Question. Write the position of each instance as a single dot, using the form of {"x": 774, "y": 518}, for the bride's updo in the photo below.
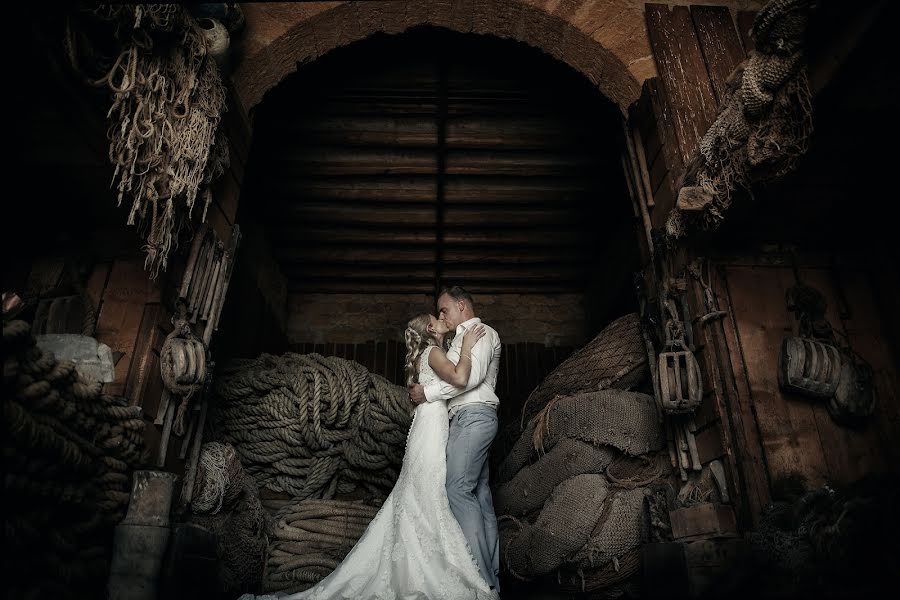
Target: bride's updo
{"x": 417, "y": 339}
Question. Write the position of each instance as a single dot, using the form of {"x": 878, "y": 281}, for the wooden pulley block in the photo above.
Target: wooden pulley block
{"x": 183, "y": 361}
{"x": 178, "y": 358}
{"x": 680, "y": 383}
{"x": 853, "y": 397}
{"x": 809, "y": 367}
{"x": 200, "y": 356}
{"x": 189, "y": 374}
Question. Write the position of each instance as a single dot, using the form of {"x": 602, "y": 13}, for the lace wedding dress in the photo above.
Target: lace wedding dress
{"x": 414, "y": 548}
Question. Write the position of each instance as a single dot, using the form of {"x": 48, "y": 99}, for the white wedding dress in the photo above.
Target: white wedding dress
{"x": 414, "y": 548}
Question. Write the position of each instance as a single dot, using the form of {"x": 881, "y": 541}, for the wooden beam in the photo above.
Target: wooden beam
{"x": 523, "y": 164}
{"x": 387, "y": 286}
{"x": 745, "y": 20}
{"x": 719, "y": 43}
{"x": 665, "y": 120}
{"x": 321, "y": 160}
{"x": 303, "y": 213}
{"x": 287, "y": 237}
{"x": 424, "y": 254}
{"x": 682, "y": 72}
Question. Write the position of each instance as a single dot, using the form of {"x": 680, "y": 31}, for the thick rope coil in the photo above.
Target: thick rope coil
{"x": 61, "y": 481}
{"x": 312, "y": 426}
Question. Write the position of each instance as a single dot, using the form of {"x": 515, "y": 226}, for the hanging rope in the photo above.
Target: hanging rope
{"x": 167, "y": 101}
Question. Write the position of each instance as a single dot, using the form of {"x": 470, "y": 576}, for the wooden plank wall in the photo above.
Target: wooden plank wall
{"x": 522, "y": 366}
{"x": 762, "y": 434}
{"x": 415, "y": 169}
{"x": 797, "y": 434}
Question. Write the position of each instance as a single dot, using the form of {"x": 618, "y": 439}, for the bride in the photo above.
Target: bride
{"x": 414, "y": 548}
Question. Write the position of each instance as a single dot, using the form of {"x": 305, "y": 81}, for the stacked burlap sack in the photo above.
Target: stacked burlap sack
{"x": 569, "y": 495}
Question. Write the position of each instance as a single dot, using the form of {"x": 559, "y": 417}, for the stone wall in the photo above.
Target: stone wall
{"x": 552, "y": 320}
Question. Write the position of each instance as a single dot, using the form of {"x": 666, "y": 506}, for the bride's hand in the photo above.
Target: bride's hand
{"x": 471, "y": 337}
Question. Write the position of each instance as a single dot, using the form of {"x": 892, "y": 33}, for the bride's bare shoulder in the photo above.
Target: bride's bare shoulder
{"x": 436, "y": 353}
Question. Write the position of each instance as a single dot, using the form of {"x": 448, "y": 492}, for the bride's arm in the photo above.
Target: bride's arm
{"x": 456, "y": 374}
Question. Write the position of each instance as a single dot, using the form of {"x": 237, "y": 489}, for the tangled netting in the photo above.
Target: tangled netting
{"x": 227, "y": 502}
{"x": 167, "y": 102}
{"x": 310, "y": 539}
{"x": 764, "y": 121}
{"x": 829, "y": 542}
{"x": 68, "y": 454}
{"x": 313, "y": 426}
{"x": 615, "y": 358}
{"x": 570, "y": 493}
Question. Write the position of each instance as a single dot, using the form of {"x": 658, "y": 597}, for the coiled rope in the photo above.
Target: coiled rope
{"x": 312, "y": 426}
{"x": 68, "y": 454}
{"x": 310, "y": 539}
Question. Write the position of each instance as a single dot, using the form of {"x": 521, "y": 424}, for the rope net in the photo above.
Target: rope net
{"x": 764, "y": 121}
{"x": 227, "y": 503}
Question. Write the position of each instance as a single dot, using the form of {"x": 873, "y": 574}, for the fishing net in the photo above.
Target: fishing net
{"x": 764, "y": 122}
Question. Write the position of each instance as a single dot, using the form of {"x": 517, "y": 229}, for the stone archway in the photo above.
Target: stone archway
{"x": 605, "y": 40}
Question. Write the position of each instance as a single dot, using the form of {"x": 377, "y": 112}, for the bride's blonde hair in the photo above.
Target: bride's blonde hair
{"x": 417, "y": 339}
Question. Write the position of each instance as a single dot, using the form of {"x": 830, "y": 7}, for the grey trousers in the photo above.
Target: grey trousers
{"x": 472, "y": 429}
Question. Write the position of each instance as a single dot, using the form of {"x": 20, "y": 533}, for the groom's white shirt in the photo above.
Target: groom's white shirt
{"x": 483, "y": 377}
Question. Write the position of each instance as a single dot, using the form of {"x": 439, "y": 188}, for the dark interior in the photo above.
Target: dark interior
{"x": 404, "y": 163}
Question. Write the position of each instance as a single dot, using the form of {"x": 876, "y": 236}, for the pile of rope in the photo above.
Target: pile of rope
{"x": 570, "y": 494}
{"x": 829, "y": 542}
{"x": 227, "y": 503}
{"x": 167, "y": 102}
{"x": 615, "y": 358}
{"x": 68, "y": 454}
{"x": 310, "y": 539}
{"x": 313, "y": 426}
{"x": 764, "y": 121}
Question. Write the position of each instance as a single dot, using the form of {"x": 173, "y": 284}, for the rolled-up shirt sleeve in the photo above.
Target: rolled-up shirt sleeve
{"x": 482, "y": 354}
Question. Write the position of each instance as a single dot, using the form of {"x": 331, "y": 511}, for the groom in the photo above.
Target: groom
{"x": 473, "y": 426}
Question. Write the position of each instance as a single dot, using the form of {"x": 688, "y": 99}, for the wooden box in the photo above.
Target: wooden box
{"x": 707, "y": 520}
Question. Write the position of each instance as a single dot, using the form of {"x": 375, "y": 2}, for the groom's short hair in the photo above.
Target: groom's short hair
{"x": 458, "y": 293}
